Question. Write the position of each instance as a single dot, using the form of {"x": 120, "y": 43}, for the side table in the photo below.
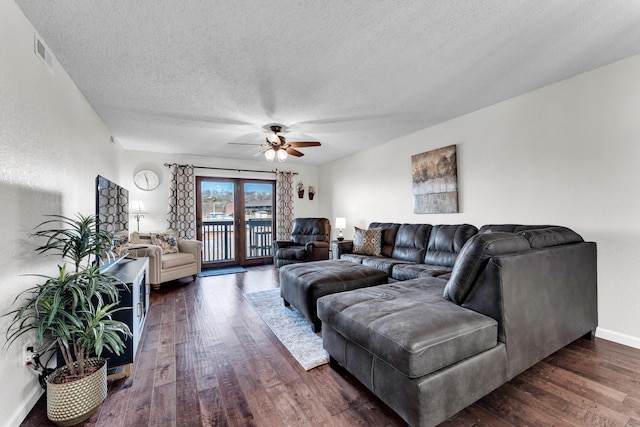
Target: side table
{"x": 338, "y": 247}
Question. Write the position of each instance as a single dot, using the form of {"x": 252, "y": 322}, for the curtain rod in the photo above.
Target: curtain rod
{"x": 229, "y": 169}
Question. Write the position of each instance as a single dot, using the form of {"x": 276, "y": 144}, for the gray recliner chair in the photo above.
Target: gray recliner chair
{"x": 309, "y": 242}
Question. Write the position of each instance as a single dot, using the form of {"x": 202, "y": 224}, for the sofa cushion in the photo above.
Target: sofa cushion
{"x": 413, "y": 271}
{"x": 411, "y": 328}
{"x": 177, "y": 259}
{"x": 509, "y": 228}
{"x": 473, "y": 258}
{"x": 389, "y": 230}
{"x": 550, "y": 236}
{"x": 357, "y": 258}
{"x": 367, "y": 242}
{"x": 383, "y": 263}
{"x": 411, "y": 242}
{"x": 446, "y": 241}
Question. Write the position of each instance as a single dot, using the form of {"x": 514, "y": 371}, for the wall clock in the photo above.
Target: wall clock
{"x": 146, "y": 180}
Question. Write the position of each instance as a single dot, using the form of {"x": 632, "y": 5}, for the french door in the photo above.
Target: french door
{"x": 235, "y": 220}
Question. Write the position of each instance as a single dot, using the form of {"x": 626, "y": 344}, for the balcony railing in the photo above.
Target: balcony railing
{"x": 259, "y": 237}
{"x": 219, "y": 243}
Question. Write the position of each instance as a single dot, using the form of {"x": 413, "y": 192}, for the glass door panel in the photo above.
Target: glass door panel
{"x": 216, "y": 229}
{"x": 258, "y": 214}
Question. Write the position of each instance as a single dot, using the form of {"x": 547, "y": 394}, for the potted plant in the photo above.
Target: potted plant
{"x": 73, "y": 310}
{"x": 312, "y": 192}
{"x": 300, "y": 190}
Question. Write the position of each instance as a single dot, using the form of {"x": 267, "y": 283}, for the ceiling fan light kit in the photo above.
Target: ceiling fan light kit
{"x": 277, "y": 147}
{"x": 275, "y": 153}
{"x": 270, "y": 154}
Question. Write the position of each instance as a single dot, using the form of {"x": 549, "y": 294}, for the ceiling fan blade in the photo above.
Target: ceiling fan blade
{"x": 294, "y": 152}
{"x": 305, "y": 144}
{"x": 241, "y": 143}
{"x": 264, "y": 150}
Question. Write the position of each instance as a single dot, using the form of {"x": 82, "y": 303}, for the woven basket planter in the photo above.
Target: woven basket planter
{"x": 71, "y": 403}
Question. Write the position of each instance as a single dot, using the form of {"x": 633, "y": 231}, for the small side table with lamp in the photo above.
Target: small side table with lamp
{"x": 336, "y": 245}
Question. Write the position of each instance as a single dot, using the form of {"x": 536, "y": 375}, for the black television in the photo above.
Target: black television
{"x": 112, "y": 215}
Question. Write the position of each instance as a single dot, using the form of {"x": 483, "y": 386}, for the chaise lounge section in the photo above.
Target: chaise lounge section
{"x": 430, "y": 346}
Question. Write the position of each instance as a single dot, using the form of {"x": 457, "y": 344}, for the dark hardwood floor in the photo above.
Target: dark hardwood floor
{"x": 207, "y": 359}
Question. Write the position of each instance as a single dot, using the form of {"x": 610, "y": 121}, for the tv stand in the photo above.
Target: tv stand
{"x": 135, "y": 274}
{"x": 111, "y": 263}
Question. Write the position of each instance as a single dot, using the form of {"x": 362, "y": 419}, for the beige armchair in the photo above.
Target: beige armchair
{"x": 170, "y": 257}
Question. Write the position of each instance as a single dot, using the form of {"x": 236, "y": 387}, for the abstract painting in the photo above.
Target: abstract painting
{"x": 435, "y": 181}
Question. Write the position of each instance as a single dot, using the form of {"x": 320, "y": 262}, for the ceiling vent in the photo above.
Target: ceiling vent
{"x": 43, "y": 52}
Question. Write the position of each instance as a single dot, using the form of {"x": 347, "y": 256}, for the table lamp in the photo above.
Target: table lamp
{"x": 341, "y": 224}
{"x": 137, "y": 209}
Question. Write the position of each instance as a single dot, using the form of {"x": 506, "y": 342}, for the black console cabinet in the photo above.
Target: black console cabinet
{"x": 135, "y": 273}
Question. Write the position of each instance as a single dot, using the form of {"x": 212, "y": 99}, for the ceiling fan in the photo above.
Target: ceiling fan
{"x": 276, "y": 145}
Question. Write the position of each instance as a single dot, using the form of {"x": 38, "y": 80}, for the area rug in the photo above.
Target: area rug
{"x": 221, "y": 271}
{"x": 290, "y": 326}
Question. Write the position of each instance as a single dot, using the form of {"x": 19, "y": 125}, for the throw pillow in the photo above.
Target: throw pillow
{"x": 166, "y": 241}
{"x": 367, "y": 242}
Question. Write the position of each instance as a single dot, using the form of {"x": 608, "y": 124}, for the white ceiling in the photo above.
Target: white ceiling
{"x": 190, "y": 77}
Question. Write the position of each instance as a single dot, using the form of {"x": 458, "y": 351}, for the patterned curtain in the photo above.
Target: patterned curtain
{"x": 181, "y": 214}
{"x": 284, "y": 204}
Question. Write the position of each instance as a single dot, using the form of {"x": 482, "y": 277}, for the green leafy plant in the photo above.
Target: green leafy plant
{"x": 72, "y": 308}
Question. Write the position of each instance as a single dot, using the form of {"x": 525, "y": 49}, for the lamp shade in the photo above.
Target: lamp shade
{"x": 136, "y": 207}
{"x": 341, "y": 223}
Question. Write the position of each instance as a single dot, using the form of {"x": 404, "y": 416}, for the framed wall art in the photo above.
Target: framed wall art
{"x": 435, "y": 181}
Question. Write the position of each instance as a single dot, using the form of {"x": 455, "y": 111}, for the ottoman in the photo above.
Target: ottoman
{"x": 302, "y": 284}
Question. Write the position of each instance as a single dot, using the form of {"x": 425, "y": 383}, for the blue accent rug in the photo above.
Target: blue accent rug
{"x": 221, "y": 271}
{"x": 290, "y": 326}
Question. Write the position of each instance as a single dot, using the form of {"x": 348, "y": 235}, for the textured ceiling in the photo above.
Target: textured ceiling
{"x": 190, "y": 77}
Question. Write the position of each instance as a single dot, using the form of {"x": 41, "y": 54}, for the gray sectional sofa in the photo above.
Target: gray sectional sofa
{"x": 478, "y": 308}
{"x": 409, "y": 251}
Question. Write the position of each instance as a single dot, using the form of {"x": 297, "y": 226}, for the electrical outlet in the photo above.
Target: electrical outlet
{"x": 27, "y": 354}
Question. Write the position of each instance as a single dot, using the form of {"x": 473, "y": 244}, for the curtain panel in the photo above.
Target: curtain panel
{"x": 181, "y": 213}
{"x": 284, "y": 204}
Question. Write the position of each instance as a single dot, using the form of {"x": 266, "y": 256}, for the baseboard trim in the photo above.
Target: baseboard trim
{"x": 623, "y": 339}
{"x": 23, "y": 410}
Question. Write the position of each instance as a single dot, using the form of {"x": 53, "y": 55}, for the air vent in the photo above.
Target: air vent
{"x": 43, "y": 52}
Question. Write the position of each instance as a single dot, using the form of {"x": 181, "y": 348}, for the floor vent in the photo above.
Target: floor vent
{"x": 43, "y": 52}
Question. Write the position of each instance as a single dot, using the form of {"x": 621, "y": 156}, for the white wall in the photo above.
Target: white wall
{"x": 566, "y": 154}
{"x": 52, "y": 146}
{"x": 156, "y": 200}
